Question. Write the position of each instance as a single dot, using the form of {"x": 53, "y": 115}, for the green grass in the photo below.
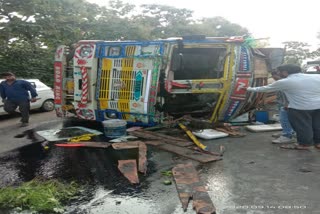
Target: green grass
{"x": 38, "y": 196}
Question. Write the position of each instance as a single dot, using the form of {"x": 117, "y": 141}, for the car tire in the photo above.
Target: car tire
{"x": 47, "y": 105}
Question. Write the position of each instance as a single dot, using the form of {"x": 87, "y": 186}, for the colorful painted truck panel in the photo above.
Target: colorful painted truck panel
{"x": 147, "y": 82}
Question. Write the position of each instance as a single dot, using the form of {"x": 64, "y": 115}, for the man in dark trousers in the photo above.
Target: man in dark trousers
{"x": 15, "y": 93}
{"x": 303, "y": 94}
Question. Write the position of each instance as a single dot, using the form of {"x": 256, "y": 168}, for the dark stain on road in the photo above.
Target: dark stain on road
{"x": 93, "y": 168}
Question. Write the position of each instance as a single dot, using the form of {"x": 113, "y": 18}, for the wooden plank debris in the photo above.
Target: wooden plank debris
{"x": 143, "y": 158}
{"x": 264, "y": 127}
{"x": 89, "y": 144}
{"x": 189, "y": 187}
{"x": 188, "y": 153}
{"x": 231, "y": 132}
{"x": 142, "y": 152}
{"x": 126, "y": 145}
{"x": 129, "y": 169}
{"x": 148, "y": 135}
{"x": 164, "y": 136}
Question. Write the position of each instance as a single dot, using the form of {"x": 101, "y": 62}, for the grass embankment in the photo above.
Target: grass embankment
{"x": 38, "y": 196}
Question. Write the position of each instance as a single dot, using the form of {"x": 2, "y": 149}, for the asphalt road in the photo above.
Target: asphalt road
{"x": 36, "y": 117}
{"x": 12, "y": 134}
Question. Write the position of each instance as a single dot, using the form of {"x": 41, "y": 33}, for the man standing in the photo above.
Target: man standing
{"x": 14, "y": 93}
{"x": 303, "y": 94}
{"x": 287, "y": 131}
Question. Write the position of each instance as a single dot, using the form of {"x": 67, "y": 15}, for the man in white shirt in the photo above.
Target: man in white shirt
{"x": 303, "y": 94}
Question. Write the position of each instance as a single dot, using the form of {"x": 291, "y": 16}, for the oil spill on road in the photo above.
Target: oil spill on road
{"x": 96, "y": 169}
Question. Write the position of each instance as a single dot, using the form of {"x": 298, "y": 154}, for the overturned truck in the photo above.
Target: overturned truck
{"x": 146, "y": 82}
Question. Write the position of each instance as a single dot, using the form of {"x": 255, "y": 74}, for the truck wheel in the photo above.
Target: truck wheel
{"x": 47, "y": 105}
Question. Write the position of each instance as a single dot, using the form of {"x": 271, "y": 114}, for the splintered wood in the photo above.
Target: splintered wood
{"x": 176, "y": 146}
{"x": 142, "y": 158}
{"x": 89, "y": 144}
{"x": 189, "y": 153}
{"x": 142, "y": 152}
{"x": 190, "y": 187}
{"x": 148, "y": 135}
{"x": 129, "y": 169}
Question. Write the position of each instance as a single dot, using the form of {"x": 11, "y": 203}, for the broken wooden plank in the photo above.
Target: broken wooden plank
{"x": 143, "y": 158}
{"x": 232, "y": 133}
{"x": 126, "y": 145}
{"x": 153, "y": 142}
{"x": 134, "y": 128}
{"x": 190, "y": 187}
{"x": 142, "y": 152}
{"x": 201, "y": 201}
{"x": 96, "y": 144}
{"x": 89, "y": 144}
{"x": 189, "y": 153}
{"x": 129, "y": 169}
{"x": 165, "y": 138}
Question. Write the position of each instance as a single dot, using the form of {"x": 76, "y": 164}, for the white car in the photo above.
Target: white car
{"x": 45, "y": 98}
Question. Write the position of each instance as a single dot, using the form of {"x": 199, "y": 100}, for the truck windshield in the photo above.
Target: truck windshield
{"x": 198, "y": 63}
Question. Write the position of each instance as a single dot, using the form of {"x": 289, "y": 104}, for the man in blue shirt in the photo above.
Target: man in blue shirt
{"x": 15, "y": 93}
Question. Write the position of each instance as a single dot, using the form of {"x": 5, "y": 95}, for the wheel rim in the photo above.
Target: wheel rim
{"x": 48, "y": 105}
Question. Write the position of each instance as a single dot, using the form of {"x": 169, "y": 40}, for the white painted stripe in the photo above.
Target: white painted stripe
{"x": 147, "y": 90}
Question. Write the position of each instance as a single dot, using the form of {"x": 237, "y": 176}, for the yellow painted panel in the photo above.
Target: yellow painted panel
{"x": 106, "y": 64}
{"x": 103, "y": 104}
{"x": 226, "y": 87}
{"x": 126, "y": 77}
{"x": 105, "y": 83}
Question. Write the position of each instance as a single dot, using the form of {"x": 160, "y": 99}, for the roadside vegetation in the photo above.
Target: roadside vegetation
{"x": 38, "y": 196}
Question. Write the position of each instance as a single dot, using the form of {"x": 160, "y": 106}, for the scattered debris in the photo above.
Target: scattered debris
{"x": 305, "y": 169}
{"x": 148, "y": 135}
{"x": 142, "y": 152}
{"x": 198, "y": 123}
{"x": 265, "y": 127}
{"x": 126, "y": 145}
{"x": 200, "y": 156}
{"x": 167, "y": 182}
{"x": 165, "y": 137}
{"x": 222, "y": 150}
{"x": 129, "y": 169}
{"x": 142, "y": 158}
{"x": 70, "y": 145}
{"x": 52, "y": 135}
{"x": 166, "y": 173}
{"x": 209, "y": 134}
{"x": 122, "y": 139}
{"x": 84, "y": 137}
{"x": 134, "y": 128}
{"x": 231, "y": 132}
{"x": 190, "y": 187}
{"x": 192, "y": 137}
{"x": 84, "y": 144}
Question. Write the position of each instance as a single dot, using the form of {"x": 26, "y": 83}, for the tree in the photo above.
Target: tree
{"x": 297, "y": 52}
{"x": 30, "y": 30}
{"x": 165, "y": 21}
{"x": 220, "y": 27}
